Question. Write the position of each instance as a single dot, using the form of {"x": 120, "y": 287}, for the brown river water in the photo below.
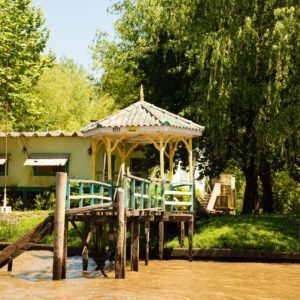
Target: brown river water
{"x": 172, "y": 279}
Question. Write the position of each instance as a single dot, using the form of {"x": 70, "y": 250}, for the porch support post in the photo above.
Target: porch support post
{"x": 108, "y": 151}
{"x": 190, "y": 150}
{"x": 123, "y": 158}
{"x": 161, "y": 156}
{"x": 94, "y": 153}
{"x": 171, "y": 160}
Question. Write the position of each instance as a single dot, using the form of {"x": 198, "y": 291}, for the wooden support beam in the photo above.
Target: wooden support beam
{"x": 119, "y": 259}
{"x": 114, "y": 146}
{"x": 191, "y": 169}
{"x": 124, "y": 249}
{"x": 82, "y": 237}
{"x": 147, "y": 235}
{"x": 111, "y": 239}
{"x": 85, "y": 251}
{"x": 152, "y": 141}
{"x": 59, "y": 225}
{"x": 182, "y": 234}
{"x": 135, "y": 247}
{"x": 10, "y": 266}
{"x": 94, "y": 154}
{"x": 161, "y": 157}
{"x": 109, "y": 152}
{"x": 65, "y": 258}
{"x": 191, "y": 231}
{"x": 160, "y": 239}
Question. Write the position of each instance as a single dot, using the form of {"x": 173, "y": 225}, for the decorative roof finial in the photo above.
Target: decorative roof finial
{"x": 141, "y": 93}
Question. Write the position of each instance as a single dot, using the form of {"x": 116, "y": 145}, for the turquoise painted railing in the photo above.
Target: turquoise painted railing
{"x": 141, "y": 193}
{"x": 137, "y": 192}
{"x": 95, "y": 191}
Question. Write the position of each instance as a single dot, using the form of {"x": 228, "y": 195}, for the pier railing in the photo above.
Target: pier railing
{"x": 142, "y": 194}
{"x": 81, "y": 192}
{"x": 139, "y": 194}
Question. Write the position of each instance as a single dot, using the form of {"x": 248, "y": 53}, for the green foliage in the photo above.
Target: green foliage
{"x": 69, "y": 99}
{"x": 286, "y": 194}
{"x": 44, "y": 200}
{"x": 232, "y": 66}
{"x": 261, "y": 232}
{"x": 22, "y": 40}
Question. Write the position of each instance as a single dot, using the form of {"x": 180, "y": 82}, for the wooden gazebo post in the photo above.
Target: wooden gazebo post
{"x": 190, "y": 150}
{"x": 161, "y": 157}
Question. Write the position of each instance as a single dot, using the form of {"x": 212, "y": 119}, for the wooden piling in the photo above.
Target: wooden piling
{"x": 65, "y": 258}
{"x": 124, "y": 248}
{"x": 135, "y": 245}
{"x": 85, "y": 251}
{"x": 160, "y": 239}
{"x": 191, "y": 230}
{"x": 10, "y": 266}
{"x": 119, "y": 259}
{"x": 59, "y": 225}
{"x": 147, "y": 235}
{"x": 182, "y": 234}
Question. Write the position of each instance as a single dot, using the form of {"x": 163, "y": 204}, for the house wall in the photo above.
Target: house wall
{"x": 22, "y": 177}
{"x": 80, "y": 162}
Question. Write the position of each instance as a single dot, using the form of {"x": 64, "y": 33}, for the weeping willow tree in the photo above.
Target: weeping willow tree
{"x": 230, "y": 65}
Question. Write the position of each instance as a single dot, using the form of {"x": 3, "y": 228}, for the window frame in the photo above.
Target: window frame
{"x": 37, "y": 173}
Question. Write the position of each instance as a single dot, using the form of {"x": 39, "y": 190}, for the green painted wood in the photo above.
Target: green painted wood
{"x": 162, "y": 192}
{"x": 149, "y": 195}
{"x": 92, "y": 193}
{"x": 81, "y": 193}
{"x": 156, "y": 195}
{"x": 142, "y": 195}
{"x": 101, "y": 190}
{"x": 172, "y": 197}
{"x": 68, "y": 202}
{"x": 132, "y": 191}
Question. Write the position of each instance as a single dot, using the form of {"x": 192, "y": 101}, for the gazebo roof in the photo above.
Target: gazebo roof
{"x": 143, "y": 114}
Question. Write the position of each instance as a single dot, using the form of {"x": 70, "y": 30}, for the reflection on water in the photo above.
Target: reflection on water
{"x": 173, "y": 279}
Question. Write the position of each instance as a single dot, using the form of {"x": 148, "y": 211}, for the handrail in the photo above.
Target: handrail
{"x": 138, "y": 178}
{"x": 89, "y": 181}
{"x": 97, "y": 190}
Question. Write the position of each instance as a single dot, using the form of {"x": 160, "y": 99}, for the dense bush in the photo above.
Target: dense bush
{"x": 286, "y": 194}
{"x": 44, "y": 200}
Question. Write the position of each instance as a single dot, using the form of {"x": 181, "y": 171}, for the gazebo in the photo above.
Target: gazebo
{"x": 139, "y": 124}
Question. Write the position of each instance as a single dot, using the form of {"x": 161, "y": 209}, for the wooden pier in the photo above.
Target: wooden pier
{"x": 108, "y": 220}
{"x": 112, "y": 218}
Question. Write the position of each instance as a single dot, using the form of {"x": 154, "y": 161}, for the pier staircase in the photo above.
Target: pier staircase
{"x": 24, "y": 243}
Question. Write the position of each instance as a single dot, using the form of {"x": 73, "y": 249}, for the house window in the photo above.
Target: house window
{"x": 3, "y": 165}
{"x": 48, "y": 164}
{"x": 50, "y": 170}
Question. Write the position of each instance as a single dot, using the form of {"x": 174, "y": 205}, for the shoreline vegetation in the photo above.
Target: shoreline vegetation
{"x": 274, "y": 233}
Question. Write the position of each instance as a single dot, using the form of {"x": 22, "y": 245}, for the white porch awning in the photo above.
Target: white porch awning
{"x": 47, "y": 159}
{"x": 2, "y": 159}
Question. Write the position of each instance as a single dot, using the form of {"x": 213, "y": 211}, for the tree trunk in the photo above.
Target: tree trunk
{"x": 251, "y": 192}
{"x": 265, "y": 178}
